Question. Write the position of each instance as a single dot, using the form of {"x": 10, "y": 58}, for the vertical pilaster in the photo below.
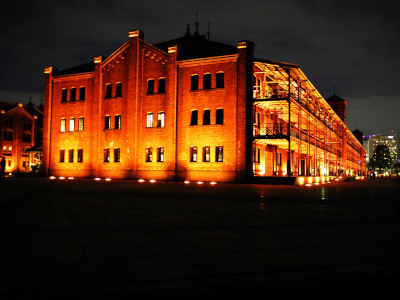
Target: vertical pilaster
{"x": 47, "y": 119}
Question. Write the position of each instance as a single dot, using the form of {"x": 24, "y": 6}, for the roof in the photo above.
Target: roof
{"x": 335, "y": 98}
{"x": 196, "y": 46}
{"x": 84, "y": 68}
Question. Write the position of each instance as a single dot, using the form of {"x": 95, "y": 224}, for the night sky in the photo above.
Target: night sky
{"x": 353, "y": 46}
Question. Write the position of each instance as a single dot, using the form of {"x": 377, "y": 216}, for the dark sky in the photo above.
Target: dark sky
{"x": 352, "y": 45}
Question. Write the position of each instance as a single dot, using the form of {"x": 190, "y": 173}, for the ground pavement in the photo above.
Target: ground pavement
{"x": 82, "y": 239}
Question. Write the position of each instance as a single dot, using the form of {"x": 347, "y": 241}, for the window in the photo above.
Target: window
{"x": 193, "y": 120}
{"x": 64, "y": 95}
{"x": 81, "y": 124}
{"x": 219, "y": 154}
{"x": 160, "y": 119}
{"x": 63, "y": 124}
{"x": 73, "y": 94}
{"x": 149, "y": 121}
{"x": 161, "y": 85}
{"x": 71, "y": 124}
{"x": 149, "y": 154}
{"x": 106, "y": 155}
{"x": 26, "y": 137}
{"x": 207, "y": 81}
{"x": 258, "y": 155}
{"x": 206, "y": 153}
{"x": 71, "y": 155}
{"x": 8, "y": 135}
{"x": 62, "y": 155}
{"x": 193, "y": 154}
{"x": 206, "y": 117}
{"x": 117, "y": 122}
{"x": 117, "y": 154}
{"x": 220, "y": 80}
{"x": 82, "y": 93}
{"x": 108, "y": 91}
{"x": 107, "y": 122}
{"x": 150, "y": 86}
{"x": 219, "y": 119}
{"x": 80, "y": 155}
{"x": 194, "y": 82}
{"x": 8, "y": 123}
{"x": 160, "y": 154}
{"x": 118, "y": 90}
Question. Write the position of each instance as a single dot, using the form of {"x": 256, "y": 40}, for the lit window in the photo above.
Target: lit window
{"x": 63, "y": 124}
{"x": 73, "y": 94}
{"x": 62, "y": 155}
{"x": 117, "y": 154}
{"x": 150, "y": 86}
{"x": 194, "y": 82}
{"x": 219, "y": 119}
{"x": 64, "y": 95}
{"x": 193, "y": 119}
{"x": 82, "y": 93}
{"x": 207, "y": 81}
{"x": 160, "y": 154}
{"x": 71, "y": 155}
{"x": 81, "y": 124}
{"x": 219, "y": 154}
{"x": 161, "y": 85}
{"x": 193, "y": 154}
{"x": 160, "y": 119}
{"x": 206, "y": 153}
{"x": 107, "y": 122}
{"x": 149, "y": 121}
{"x": 117, "y": 123}
{"x": 149, "y": 154}
{"x": 106, "y": 155}
{"x": 80, "y": 155}
{"x": 206, "y": 117}
{"x": 108, "y": 91}
{"x": 72, "y": 124}
{"x": 118, "y": 90}
{"x": 10, "y": 148}
{"x": 220, "y": 80}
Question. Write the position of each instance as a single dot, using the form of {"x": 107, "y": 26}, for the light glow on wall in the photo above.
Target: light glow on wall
{"x": 97, "y": 179}
{"x": 186, "y": 182}
{"x": 141, "y": 180}
{"x": 52, "y": 177}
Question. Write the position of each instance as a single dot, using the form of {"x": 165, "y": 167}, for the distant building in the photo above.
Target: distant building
{"x": 372, "y": 141}
{"x": 193, "y": 109}
{"x": 21, "y": 128}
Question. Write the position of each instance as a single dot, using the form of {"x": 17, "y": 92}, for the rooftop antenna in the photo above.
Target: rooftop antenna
{"x": 197, "y": 25}
{"x": 188, "y": 30}
{"x": 208, "y": 32}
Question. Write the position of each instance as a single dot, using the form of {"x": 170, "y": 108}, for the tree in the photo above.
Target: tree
{"x": 381, "y": 159}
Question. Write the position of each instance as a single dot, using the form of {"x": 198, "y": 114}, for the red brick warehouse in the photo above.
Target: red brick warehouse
{"x": 191, "y": 109}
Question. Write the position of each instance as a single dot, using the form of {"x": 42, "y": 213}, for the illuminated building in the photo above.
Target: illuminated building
{"x": 191, "y": 109}
{"x": 20, "y": 130}
{"x": 372, "y": 141}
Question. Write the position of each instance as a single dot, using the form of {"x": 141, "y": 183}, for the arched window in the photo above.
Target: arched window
{"x": 161, "y": 85}
{"x": 219, "y": 80}
{"x": 207, "y": 81}
{"x": 150, "y": 86}
{"x": 194, "y": 82}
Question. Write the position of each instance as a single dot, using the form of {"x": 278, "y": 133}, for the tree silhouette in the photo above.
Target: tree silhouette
{"x": 381, "y": 159}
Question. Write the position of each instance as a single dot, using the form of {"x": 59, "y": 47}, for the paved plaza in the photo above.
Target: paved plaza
{"x": 86, "y": 239}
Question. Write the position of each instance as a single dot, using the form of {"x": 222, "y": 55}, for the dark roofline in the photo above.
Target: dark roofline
{"x": 280, "y": 63}
{"x": 84, "y": 68}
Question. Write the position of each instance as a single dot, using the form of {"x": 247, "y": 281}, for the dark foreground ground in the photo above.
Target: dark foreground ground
{"x": 81, "y": 239}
